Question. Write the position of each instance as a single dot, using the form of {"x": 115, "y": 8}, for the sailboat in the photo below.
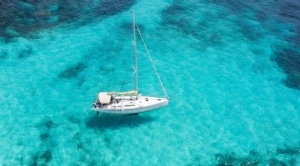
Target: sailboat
{"x": 131, "y": 102}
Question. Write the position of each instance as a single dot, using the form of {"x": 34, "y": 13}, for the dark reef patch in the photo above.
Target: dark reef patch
{"x": 42, "y": 158}
{"x": 74, "y": 119}
{"x": 236, "y": 6}
{"x": 3, "y": 54}
{"x": 72, "y": 71}
{"x": 45, "y": 128}
{"x": 108, "y": 7}
{"x": 251, "y": 32}
{"x": 173, "y": 17}
{"x": 43, "y": 155}
{"x": 261, "y": 10}
{"x": 25, "y": 52}
{"x": 266, "y": 12}
{"x": 173, "y": 10}
{"x": 44, "y": 136}
{"x": 290, "y": 12}
{"x": 47, "y": 124}
{"x": 232, "y": 159}
{"x": 241, "y": 9}
{"x": 127, "y": 27}
{"x": 289, "y": 150}
{"x": 47, "y": 156}
{"x": 178, "y": 16}
{"x": 289, "y": 61}
{"x": 287, "y": 156}
{"x": 86, "y": 157}
{"x": 21, "y": 18}
{"x": 269, "y": 14}
{"x": 276, "y": 162}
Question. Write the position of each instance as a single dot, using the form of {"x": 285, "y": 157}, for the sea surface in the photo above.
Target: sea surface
{"x": 231, "y": 69}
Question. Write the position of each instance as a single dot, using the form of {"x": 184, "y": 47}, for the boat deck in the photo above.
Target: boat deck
{"x": 129, "y": 104}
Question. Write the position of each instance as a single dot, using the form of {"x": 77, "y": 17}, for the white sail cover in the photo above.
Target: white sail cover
{"x": 104, "y": 98}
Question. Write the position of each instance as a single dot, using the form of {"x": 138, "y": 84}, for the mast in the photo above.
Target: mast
{"x": 134, "y": 54}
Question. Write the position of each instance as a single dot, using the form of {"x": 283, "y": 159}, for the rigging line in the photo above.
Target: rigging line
{"x": 134, "y": 54}
{"x": 151, "y": 60}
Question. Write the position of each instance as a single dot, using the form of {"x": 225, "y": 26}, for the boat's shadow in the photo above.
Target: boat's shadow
{"x": 116, "y": 121}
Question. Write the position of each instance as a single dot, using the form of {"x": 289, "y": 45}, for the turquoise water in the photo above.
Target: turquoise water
{"x": 231, "y": 69}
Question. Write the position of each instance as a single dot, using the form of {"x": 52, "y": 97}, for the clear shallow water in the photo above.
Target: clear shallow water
{"x": 230, "y": 68}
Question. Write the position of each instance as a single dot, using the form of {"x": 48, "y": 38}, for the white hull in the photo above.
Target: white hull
{"x": 131, "y": 105}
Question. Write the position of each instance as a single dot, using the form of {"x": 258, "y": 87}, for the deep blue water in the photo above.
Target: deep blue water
{"x": 231, "y": 68}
